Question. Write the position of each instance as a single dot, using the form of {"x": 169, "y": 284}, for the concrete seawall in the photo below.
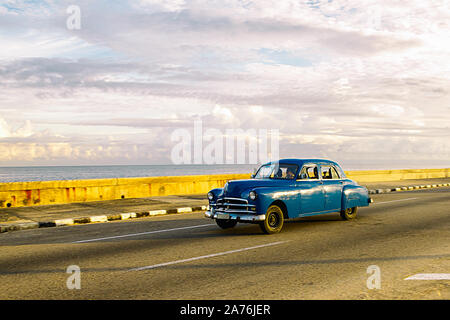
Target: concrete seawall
{"x": 19, "y": 194}
{"x": 396, "y": 175}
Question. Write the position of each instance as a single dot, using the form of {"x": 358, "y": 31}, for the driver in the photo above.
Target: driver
{"x": 290, "y": 173}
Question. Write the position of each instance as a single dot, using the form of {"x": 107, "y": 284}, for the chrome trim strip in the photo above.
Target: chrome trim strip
{"x": 237, "y": 204}
{"x": 231, "y": 211}
{"x": 242, "y": 217}
{"x": 239, "y": 199}
{"x": 249, "y": 217}
{"x": 232, "y": 204}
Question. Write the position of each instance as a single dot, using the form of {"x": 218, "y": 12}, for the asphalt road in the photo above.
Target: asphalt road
{"x": 187, "y": 256}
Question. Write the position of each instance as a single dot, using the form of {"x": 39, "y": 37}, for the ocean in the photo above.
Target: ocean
{"x": 48, "y": 173}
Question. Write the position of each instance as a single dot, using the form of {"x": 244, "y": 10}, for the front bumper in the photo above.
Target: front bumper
{"x": 235, "y": 216}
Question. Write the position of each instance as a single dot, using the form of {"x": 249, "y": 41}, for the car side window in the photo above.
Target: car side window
{"x": 303, "y": 175}
{"x": 340, "y": 172}
{"x": 325, "y": 172}
{"x": 334, "y": 173}
{"x": 329, "y": 172}
{"x": 309, "y": 172}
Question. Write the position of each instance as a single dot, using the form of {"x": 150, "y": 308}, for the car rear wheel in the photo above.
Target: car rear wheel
{"x": 226, "y": 224}
{"x": 274, "y": 220}
{"x": 349, "y": 213}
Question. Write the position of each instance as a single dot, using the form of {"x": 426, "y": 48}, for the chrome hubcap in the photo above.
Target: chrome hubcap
{"x": 273, "y": 220}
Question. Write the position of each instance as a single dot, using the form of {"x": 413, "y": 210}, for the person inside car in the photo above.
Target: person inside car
{"x": 290, "y": 173}
{"x": 279, "y": 174}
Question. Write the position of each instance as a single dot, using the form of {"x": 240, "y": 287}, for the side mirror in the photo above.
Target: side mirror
{"x": 252, "y": 176}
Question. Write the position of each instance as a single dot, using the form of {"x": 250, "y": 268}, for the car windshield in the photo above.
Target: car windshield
{"x": 277, "y": 171}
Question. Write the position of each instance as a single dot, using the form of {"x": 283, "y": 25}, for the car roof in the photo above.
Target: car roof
{"x": 300, "y": 162}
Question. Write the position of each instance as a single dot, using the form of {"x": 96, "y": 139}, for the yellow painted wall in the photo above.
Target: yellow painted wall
{"x": 18, "y": 194}
{"x": 395, "y": 175}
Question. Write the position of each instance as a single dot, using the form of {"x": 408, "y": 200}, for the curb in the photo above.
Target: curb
{"x": 95, "y": 219}
{"x": 376, "y": 191}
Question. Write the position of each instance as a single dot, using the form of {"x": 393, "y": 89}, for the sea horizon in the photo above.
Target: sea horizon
{"x": 85, "y": 172}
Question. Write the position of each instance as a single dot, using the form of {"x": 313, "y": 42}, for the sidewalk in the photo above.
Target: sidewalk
{"x": 102, "y": 211}
{"x": 21, "y": 218}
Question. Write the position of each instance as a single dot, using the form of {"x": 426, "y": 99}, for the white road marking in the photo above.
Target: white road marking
{"x": 206, "y": 256}
{"x": 429, "y": 276}
{"x": 142, "y": 233}
{"x": 395, "y": 200}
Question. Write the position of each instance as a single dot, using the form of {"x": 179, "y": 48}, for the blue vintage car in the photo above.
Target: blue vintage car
{"x": 287, "y": 189}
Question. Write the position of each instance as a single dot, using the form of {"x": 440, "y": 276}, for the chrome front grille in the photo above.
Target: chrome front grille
{"x": 233, "y": 205}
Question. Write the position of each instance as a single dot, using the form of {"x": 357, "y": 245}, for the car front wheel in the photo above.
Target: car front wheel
{"x": 274, "y": 220}
{"x": 349, "y": 213}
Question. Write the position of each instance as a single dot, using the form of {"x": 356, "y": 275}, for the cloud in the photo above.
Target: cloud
{"x": 6, "y": 131}
{"x": 340, "y": 79}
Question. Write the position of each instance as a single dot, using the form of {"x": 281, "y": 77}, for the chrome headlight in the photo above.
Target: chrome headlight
{"x": 252, "y": 195}
{"x": 210, "y": 196}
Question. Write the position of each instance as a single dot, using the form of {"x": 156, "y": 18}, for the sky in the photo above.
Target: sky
{"x": 364, "y": 83}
